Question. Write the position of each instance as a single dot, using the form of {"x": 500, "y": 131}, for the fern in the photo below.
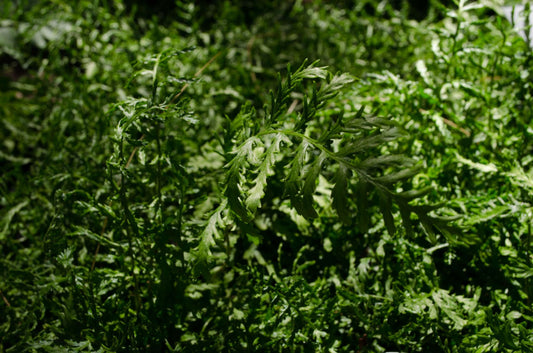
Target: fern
{"x": 210, "y": 231}
{"x": 257, "y": 192}
{"x": 323, "y": 137}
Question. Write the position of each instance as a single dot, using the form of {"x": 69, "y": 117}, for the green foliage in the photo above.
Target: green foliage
{"x": 317, "y": 139}
{"x": 171, "y": 183}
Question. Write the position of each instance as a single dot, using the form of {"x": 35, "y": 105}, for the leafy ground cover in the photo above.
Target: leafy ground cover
{"x": 276, "y": 176}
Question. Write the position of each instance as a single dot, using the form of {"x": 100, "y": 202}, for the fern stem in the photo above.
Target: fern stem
{"x": 159, "y": 211}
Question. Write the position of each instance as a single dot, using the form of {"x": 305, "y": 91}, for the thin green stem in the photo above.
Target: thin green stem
{"x": 159, "y": 211}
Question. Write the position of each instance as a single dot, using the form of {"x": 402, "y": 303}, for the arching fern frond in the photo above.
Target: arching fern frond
{"x": 322, "y": 136}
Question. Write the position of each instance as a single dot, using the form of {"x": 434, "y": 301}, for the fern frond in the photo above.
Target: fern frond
{"x": 235, "y": 176}
{"x": 305, "y": 207}
{"x": 347, "y": 150}
{"x": 279, "y": 100}
{"x": 256, "y": 193}
{"x": 210, "y": 232}
{"x": 293, "y": 179}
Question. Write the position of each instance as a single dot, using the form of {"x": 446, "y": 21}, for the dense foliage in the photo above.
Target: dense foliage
{"x": 264, "y": 176}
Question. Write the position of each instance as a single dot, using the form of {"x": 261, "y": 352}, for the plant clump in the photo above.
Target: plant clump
{"x": 278, "y": 176}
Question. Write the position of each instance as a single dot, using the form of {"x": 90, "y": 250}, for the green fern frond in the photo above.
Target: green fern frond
{"x": 210, "y": 232}
{"x": 235, "y": 177}
{"x": 256, "y": 193}
{"x": 348, "y": 152}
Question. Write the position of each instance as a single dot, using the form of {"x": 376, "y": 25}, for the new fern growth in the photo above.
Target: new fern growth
{"x": 304, "y": 136}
